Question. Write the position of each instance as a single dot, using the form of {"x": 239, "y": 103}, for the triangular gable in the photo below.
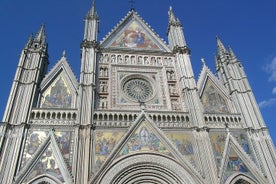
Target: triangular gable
{"x": 205, "y": 75}
{"x": 59, "y": 87}
{"x": 236, "y": 161}
{"x": 47, "y": 161}
{"x": 213, "y": 94}
{"x": 133, "y": 33}
{"x": 145, "y": 137}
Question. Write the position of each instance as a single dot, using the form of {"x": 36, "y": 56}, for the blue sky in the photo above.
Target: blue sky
{"x": 248, "y": 27}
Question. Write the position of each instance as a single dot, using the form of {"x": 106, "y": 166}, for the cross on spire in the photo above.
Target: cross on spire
{"x": 131, "y": 2}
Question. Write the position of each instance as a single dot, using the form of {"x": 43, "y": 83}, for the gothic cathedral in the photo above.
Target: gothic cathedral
{"x": 136, "y": 115}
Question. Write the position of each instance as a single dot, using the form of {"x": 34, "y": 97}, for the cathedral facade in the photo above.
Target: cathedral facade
{"x": 135, "y": 115}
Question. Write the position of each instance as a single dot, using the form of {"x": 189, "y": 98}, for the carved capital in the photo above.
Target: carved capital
{"x": 91, "y": 44}
{"x": 181, "y": 50}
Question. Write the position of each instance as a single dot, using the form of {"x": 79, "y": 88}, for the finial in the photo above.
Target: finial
{"x": 203, "y": 61}
{"x": 30, "y": 40}
{"x": 41, "y": 36}
{"x": 142, "y": 105}
{"x": 220, "y": 47}
{"x": 132, "y": 2}
{"x": 64, "y": 54}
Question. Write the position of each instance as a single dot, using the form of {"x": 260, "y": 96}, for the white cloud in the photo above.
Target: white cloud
{"x": 271, "y": 69}
{"x": 274, "y": 91}
{"x": 267, "y": 103}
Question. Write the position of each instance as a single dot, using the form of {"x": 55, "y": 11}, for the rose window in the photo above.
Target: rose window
{"x": 138, "y": 89}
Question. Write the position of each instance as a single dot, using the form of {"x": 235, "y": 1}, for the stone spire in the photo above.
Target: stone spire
{"x": 41, "y": 36}
{"x": 220, "y": 47}
{"x": 91, "y": 24}
{"x": 175, "y": 33}
{"x": 92, "y": 14}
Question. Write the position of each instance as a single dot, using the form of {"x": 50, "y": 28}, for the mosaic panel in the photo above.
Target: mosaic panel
{"x": 65, "y": 141}
{"x": 212, "y": 100}
{"x": 58, "y": 95}
{"x": 46, "y": 165}
{"x": 134, "y": 36}
{"x": 34, "y": 139}
{"x": 105, "y": 142}
{"x": 235, "y": 164}
{"x": 183, "y": 141}
{"x": 218, "y": 142}
{"x": 144, "y": 139}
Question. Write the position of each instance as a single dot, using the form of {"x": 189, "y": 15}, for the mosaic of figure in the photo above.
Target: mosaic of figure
{"x": 218, "y": 142}
{"x": 34, "y": 140}
{"x": 143, "y": 140}
{"x": 57, "y": 96}
{"x": 105, "y": 142}
{"x": 212, "y": 101}
{"x": 134, "y": 37}
{"x": 183, "y": 143}
{"x": 64, "y": 139}
{"x": 243, "y": 141}
{"x": 235, "y": 164}
{"x": 46, "y": 165}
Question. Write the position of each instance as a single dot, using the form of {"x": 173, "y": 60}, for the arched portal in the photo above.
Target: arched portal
{"x": 44, "y": 179}
{"x": 240, "y": 178}
{"x": 147, "y": 168}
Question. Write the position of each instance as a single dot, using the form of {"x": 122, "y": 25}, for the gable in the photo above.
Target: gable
{"x": 144, "y": 138}
{"x": 213, "y": 100}
{"x": 59, "y": 87}
{"x": 236, "y": 157}
{"x": 46, "y": 159}
{"x": 133, "y": 33}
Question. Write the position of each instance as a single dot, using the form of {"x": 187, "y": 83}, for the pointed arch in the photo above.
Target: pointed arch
{"x": 147, "y": 167}
{"x": 240, "y": 178}
{"x": 44, "y": 179}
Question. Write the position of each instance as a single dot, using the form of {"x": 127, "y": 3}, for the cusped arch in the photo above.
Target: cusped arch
{"x": 147, "y": 168}
{"x": 240, "y": 178}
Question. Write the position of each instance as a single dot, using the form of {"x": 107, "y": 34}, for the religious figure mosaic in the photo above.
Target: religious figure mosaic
{"x": 218, "y": 142}
{"x": 235, "y": 164}
{"x": 105, "y": 142}
{"x": 134, "y": 36}
{"x": 58, "y": 95}
{"x": 183, "y": 142}
{"x": 212, "y": 100}
{"x": 143, "y": 139}
{"x": 46, "y": 165}
{"x": 65, "y": 141}
{"x": 34, "y": 139}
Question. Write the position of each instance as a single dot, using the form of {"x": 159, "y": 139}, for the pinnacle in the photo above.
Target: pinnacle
{"x": 92, "y": 12}
{"x": 41, "y": 36}
{"x": 220, "y": 47}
